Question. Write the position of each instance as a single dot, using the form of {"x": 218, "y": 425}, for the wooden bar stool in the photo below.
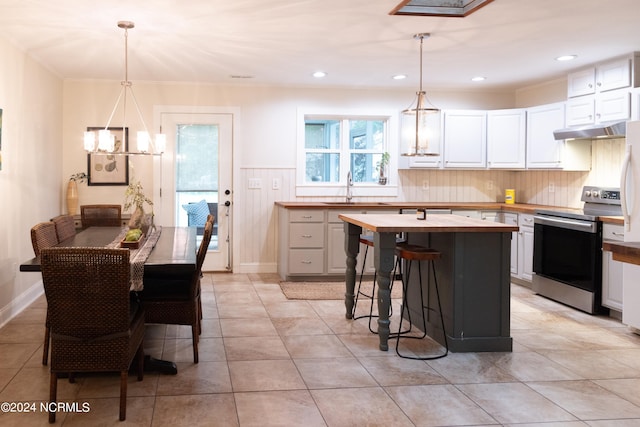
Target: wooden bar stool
{"x": 418, "y": 253}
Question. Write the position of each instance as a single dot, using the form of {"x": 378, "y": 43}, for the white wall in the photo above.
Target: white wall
{"x": 31, "y": 180}
{"x": 265, "y": 143}
{"x": 266, "y": 149}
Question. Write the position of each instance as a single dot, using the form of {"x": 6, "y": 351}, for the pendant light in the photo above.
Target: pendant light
{"x": 106, "y": 140}
{"x": 421, "y": 124}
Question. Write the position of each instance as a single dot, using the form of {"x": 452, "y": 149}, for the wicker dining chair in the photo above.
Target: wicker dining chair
{"x": 65, "y": 227}
{"x": 101, "y": 215}
{"x": 43, "y": 235}
{"x": 95, "y": 327}
{"x": 175, "y": 300}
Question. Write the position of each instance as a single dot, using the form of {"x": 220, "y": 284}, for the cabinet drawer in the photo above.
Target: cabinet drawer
{"x": 525, "y": 220}
{"x": 306, "y": 261}
{"x": 303, "y": 235}
{"x": 315, "y": 215}
{"x": 510, "y": 218}
{"x": 613, "y": 232}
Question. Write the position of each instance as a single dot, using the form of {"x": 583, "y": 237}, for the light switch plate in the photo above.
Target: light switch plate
{"x": 255, "y": 183}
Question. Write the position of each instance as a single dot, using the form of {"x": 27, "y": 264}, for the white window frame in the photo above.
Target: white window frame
{"x": 339, "y": 189}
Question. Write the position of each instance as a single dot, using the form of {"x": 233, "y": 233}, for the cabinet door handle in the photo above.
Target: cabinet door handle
{"x": 305, "y": 262}
{"x": 307, "y": 236}
{"x": 307, "y": 216}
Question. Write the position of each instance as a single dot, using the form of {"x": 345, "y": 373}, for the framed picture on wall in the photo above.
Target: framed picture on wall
{"x": 107, "y": 168}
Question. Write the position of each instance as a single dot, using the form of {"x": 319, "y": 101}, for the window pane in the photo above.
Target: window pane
{"x": 364, "y": 167}
{"x": 197, "y": 158}
{"x": 322, "y": 134}
{"x": 322, "y": 167}
{"x": 366, "y": 135}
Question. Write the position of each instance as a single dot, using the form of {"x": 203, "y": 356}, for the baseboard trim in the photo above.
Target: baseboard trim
{"x": 22, "y": 301}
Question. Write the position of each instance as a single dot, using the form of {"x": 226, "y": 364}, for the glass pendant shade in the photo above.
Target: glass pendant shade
{"x": 106, "y": 141}
{"x": 89, "y": 141}
{"x": 421, "y": 129}
{"x": 420, "y": 135}
{"x": 143, "y": 141}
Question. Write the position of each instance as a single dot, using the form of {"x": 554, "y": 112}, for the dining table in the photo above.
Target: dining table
{"x": 166, "y": 251}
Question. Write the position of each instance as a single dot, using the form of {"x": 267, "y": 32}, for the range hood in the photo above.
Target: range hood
{"x": 603, "y": 130}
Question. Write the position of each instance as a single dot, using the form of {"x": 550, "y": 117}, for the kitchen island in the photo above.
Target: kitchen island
{"x": 473, "y": 275}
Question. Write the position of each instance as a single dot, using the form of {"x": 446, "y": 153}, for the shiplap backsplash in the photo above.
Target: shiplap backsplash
{"x": 255, "y": 213}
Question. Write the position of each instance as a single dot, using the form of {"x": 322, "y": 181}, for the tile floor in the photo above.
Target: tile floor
{"x": 267, "y": 361}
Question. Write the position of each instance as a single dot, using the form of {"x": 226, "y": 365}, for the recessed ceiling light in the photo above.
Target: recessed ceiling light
{"x": 319, "y": 74}
{"x": 399, "y": 77}
{"x": 478, "y": 79}
{"x": 566, "y": 57}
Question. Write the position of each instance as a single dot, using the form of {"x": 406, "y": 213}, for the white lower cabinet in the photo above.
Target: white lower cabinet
{"x": 512, "y": 219}
{"x": 612, "y": 270}
{"x": 311, "y": 243}
{"x": 336, "y": 258}
{"x": 521, "y": 245}
{"x": 525, "y": 247}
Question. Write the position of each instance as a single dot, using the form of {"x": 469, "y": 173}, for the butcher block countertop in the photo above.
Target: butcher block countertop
{"x": 525, "y": 208}
{"x": 436, "y": 223}
{"x": 612, "y": 219}
{"x": 628, "y": 252}
{"x": 496, "y": 206}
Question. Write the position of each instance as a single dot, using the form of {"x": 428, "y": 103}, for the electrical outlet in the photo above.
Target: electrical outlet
{"x": 425, "y": 185}
{"x": 255, "y": 183}
{"x": 552, "y": 187}
{"x": 275, "y": 184}
{"x": 490, "y": 185}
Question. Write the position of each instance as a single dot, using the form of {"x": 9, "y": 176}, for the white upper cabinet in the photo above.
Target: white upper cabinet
{"x": 543, "y": 151}
{"x": 506, "y": 139}
{"x": 604, "y": 107}
{"x": 581, "y": 83}
{"x": 603, "y": 77}
{"x": 465, "y": 139}
{"x": 600, "y": 93}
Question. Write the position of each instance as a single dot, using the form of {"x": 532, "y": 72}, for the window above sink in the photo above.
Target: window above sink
{"x": 332, "y": 143}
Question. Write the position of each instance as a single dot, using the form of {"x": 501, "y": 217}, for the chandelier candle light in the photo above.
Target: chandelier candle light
{"x": 420, "y": 124}
{"x": 106, "y": 141}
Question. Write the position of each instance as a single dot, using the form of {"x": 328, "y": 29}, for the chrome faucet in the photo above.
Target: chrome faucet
{"x": 349, "y": 187}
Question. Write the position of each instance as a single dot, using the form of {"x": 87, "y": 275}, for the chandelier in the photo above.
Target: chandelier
{"x": 421, "y": 124}
{"x": 106, "y": 140}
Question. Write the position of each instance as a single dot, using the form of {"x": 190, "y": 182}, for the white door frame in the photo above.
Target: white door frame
{"x": 158, "y": 110}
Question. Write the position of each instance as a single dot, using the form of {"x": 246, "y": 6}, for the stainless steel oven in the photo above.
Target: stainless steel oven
{"x": 567, "y": 258}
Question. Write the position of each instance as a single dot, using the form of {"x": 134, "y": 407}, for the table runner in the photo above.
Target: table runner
{"x": 137, "y": 257}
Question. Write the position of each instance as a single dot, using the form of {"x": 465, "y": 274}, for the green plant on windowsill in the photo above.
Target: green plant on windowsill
{"x": 382, "y": 167}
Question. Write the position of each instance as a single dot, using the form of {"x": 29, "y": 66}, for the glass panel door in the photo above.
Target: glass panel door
{"x": 196, "y": 178}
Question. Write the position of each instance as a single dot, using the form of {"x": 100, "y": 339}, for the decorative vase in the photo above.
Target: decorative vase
{"x": 137, "y": 217}
{"x": 141, "y": 220}
{"x": 72, "y": 197}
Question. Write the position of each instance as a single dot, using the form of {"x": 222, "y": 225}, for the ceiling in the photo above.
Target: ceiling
{"x": 512, "y": 43}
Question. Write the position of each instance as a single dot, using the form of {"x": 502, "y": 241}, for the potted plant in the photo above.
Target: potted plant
{"x": 72, "y": 191}
{"x": 381, "y": 167}
{"x": 134, "y": 197}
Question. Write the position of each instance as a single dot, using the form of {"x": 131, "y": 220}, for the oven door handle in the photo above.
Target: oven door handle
{"x": 589, "y": 227}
